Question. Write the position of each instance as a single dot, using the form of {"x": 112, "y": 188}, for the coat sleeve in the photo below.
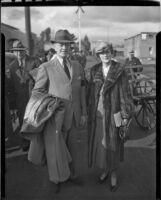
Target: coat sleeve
{"x": 41, "y": 83}
{"x": 126, "y": 101}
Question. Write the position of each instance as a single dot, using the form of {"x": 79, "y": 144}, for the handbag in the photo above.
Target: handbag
{"x": 124, "y": 136}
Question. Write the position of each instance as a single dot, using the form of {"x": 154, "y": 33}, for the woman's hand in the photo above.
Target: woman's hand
{"x": 124, "y": 122}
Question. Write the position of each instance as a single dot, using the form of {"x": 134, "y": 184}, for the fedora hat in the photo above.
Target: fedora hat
{"x": 63, "y": 36}
{"x": 132, "y": 51}
{"x": 103, "y": 46}
{"x": 17, "y": 46}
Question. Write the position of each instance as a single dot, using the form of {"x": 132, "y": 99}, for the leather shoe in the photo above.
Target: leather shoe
{"x": 113, "y": 188}
{"x": 114, "y": 182}
{"x": 57, "y": 188}
{"x": 101, "y": 179}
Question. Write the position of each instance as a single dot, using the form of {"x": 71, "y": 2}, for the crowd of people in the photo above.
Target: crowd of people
{"x": 52, "y": 99}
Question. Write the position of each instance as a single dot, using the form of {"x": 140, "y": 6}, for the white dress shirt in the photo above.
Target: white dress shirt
{"x": 105, "y": 70}
{"x": 61, "y": 62}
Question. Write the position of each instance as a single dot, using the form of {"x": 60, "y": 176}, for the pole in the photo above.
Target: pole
{"x": 108, "y": 33}
{"x": 79, "y": 20}
{"x": 28, "y": 30}
{"x": 79, "y": 10}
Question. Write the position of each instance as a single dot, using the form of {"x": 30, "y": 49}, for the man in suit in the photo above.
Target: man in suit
{"x": 22, "y": 81}
{"x": 63, "y": 78}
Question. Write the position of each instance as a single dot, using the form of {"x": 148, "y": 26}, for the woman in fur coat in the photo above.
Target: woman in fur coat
{"x": 108, "y": 93}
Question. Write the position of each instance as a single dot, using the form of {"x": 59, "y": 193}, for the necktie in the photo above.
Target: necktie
{"x": 66, "y": 69}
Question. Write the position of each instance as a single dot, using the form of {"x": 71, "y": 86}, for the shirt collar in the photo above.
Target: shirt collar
{"x": 60, "y": 59}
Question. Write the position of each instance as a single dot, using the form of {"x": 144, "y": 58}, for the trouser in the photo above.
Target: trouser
{"x": 71, "y": 138}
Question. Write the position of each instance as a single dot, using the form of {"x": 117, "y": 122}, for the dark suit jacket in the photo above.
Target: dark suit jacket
{"x": 22, "y": 82}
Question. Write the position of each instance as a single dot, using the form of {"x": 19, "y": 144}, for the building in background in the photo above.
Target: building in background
{"x": 119, "y": 50}
{"x": 143, "y": 44}
{"x": 12, "y": 33}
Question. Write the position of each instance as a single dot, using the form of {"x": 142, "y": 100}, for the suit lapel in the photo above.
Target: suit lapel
{"x": 61, "y": 86}
{"x": 59, "y": 68}
{"x": 72, "y": 70}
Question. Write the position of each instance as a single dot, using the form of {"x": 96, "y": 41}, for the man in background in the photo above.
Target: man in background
{"x": 132, "y": 60}
{"x": 22, "y": 81}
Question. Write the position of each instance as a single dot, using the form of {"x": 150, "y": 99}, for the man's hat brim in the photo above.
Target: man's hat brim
{"x": 62, "y": 41}
{"x": 18, "y": 49}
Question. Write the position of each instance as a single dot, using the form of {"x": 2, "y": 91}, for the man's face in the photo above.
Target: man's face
{"x": 19, "y": 54}
{"x": 62, "y": 49}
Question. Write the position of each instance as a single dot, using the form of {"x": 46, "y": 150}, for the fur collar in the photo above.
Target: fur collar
{"x": 114, "y": 73}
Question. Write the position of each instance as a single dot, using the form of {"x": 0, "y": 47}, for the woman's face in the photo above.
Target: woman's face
{"x": 105, "y": 56}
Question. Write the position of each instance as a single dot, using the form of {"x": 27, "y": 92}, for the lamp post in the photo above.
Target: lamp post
{"x": 78, "y": 11}
{"x": 28, "y": 29}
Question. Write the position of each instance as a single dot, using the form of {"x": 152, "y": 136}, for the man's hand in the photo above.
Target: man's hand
{"x": 83, "y": 120}
{"x": 56, "y": 106}
{"x": 60, "y": 105}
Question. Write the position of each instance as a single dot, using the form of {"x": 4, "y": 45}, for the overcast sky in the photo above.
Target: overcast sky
{"x": 104, "y": 22}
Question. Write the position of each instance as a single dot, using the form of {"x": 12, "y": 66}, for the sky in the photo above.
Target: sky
{"x": 112, "y": 23}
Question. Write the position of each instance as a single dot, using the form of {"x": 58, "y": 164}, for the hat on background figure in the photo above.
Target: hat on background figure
{"x": 18, "y": 46}
{"x": 132, "y": 51}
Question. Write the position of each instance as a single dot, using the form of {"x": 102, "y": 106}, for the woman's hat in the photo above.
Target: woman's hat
{"x": 18, "y": 46}
{"x": 63, "y": 36}
{"x": 103, "y": 46}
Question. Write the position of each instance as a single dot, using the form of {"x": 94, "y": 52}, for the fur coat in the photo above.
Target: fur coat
{"x": 116, "y": 97}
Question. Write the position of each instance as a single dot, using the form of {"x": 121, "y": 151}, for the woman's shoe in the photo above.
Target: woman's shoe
{"x": 54, "y": 186}
{"x": 103, "y": 177}
{"x": 113, "y": 188}
{"x": 114, "y": 182}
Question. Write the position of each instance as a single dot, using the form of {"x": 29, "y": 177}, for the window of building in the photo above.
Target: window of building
{"x": 150, "y": 50}
{"x": 150, "y": 35}
{"x": 143, "y": 36}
